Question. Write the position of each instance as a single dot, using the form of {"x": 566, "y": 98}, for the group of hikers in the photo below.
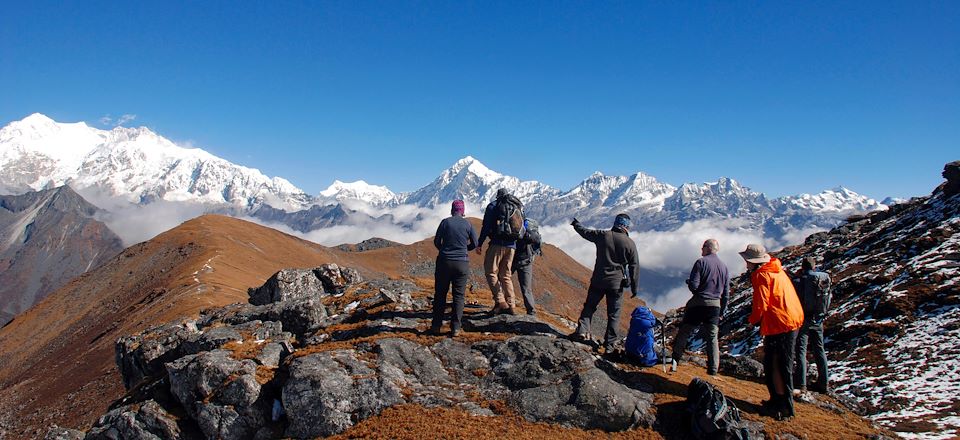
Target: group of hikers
{"x": 789, "y": 310}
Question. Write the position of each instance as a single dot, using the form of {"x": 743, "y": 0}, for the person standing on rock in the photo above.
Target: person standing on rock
{"x": 813, "y": 289}
{"x": 503, "y": 237}
{"x": 528, "y": 247}
{"x": 616, "y": 267}
{"x": 454, "y": 239}
{"x": 777, "y": 310}
{"x": 709, "y": 282}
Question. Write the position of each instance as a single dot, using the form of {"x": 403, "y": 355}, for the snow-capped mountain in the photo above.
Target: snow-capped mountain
{"x": 725, "y": 198}
{"x": 373, "y": 195}
{"x": 836, "y": 200}
{"x": 600, "y": 195}
{"x": 133, "y": 163}
{"x": 472, "y": 182}
{"x": 141, "y": 167}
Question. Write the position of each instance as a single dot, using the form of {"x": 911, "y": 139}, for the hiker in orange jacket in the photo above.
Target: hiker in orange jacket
{"x": 777, "y": 309}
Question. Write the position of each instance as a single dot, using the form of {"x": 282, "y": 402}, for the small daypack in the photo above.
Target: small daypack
{"x": 713, "y": 415}
{"x": 640, "y": 342}
{"x": 532, "y": 235}
{"x": 508, "y": 215}
{"x": 815, "y": 295}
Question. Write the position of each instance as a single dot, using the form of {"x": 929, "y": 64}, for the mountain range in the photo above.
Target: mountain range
{"x": 140, "y": 167}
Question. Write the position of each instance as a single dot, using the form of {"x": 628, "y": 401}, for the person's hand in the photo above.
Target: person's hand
{"x": 478, "y": 251}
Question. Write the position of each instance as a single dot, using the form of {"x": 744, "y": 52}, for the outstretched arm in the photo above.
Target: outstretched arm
{"x": 589, "y": 234}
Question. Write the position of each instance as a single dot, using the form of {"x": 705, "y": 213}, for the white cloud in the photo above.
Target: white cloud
{"x": 134, "y": 223}
{"x": 670, "y": 253}
{"x": 125, "y": 118}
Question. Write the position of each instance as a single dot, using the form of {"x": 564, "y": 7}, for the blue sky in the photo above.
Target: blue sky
{"x": 786, "y": 97}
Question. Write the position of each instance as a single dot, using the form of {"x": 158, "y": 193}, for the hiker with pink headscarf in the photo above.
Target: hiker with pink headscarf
{"x": 454, "y": 239}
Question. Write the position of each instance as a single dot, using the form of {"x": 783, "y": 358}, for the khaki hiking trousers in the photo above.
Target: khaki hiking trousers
{"x": 496, "y": 264}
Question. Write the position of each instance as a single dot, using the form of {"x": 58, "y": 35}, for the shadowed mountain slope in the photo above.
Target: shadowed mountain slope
{"x": 47, "y": 238}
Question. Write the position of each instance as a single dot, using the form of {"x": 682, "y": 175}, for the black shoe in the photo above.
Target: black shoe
{"x": 532, "y": 312}
{"x": 434, "y": 331}
{"x": 769, "y": 409}
{"x": 581, "y": 338}
{"x": 454, "y": 333}
{"x": 819, "y": 389}
{"x": 711, "y": 373}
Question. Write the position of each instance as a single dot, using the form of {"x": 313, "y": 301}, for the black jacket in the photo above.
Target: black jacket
{"x": 615, "y": 252}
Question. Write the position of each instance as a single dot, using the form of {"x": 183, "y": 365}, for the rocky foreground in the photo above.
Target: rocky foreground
{"x": 319, "y": 352}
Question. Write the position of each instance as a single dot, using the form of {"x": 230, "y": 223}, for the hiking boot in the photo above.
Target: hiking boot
{"x": 434, "y": 331}
{"x": 711, "y": 372}
{"x": 581, "y": 338}
{"x": 532, "y": 312}
{"x": 673, "y": 366}
{"x": 820, "y": 389}
{"x": 513, "y": 311}
{"x": 454, "y": 333}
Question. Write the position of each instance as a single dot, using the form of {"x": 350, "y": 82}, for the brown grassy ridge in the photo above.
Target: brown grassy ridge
{"x": 57, "y": 361}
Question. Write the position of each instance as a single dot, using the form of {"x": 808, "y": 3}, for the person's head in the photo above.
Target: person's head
{"x": 756, "y": 255}
{"x": 622, "y": 221}
{"x": 711, "y": 246}
{"x": 808, "y": 263}
{"x": 502, "y": 192}
{"x": 456, "y": 208}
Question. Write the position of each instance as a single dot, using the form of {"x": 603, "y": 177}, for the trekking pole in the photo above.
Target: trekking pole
{"x": 663, "y": 343}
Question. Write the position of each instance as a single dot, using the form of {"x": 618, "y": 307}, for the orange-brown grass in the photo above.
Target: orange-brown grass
{"x": 416, "y": 422}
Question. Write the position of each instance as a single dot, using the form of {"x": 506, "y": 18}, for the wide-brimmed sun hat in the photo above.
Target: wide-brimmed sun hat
{"x": 756, "y": 254}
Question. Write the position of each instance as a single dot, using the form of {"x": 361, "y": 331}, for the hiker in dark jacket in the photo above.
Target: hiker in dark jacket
{"x": 616, "y": 268}
{"x": 709, "y": 282}
{"x": 499, "y": 257}
{"x": 528, "y": 248}
{"x": 813, "y": 289}
{"x": 455, "y": 238}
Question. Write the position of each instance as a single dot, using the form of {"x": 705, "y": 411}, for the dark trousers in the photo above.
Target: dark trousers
{"x": 693, "y": 317}
{"x": 449, "y": 273}
{"x": 614, "y": 301}
{"x": 525, "y": 278}
{"x": 778, "y": 353}
{"x": 814, "y": 334}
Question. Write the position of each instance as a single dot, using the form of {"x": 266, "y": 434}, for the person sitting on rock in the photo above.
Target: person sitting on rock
{"x": 616, "y": 268}
{"x": 709, "y": 282}
{"x": 813, "y": 289}
{"x": 777, "y": 310}
{"x": 454, "y": 239}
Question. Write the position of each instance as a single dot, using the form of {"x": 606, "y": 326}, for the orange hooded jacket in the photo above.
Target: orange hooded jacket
{"x": 775, "y": 303}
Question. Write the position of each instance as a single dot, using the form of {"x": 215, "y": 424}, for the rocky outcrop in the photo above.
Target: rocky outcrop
{"x": 951, "y": 172}
{"x": 302, "y": 283}
{"x": 283, "y": 369}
